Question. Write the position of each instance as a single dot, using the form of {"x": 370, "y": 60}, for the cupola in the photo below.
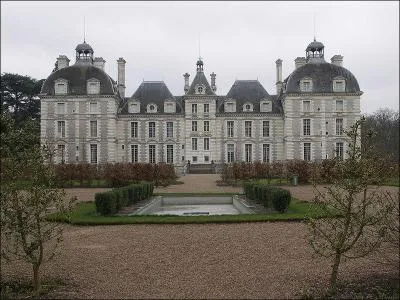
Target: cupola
{"x": 315, "y": 52}
{"x": 84, "y": 54}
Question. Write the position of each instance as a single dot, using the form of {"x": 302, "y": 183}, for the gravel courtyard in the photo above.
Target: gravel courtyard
{"x": 218, "y": 261}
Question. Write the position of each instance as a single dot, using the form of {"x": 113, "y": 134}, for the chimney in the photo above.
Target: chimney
{"x": 278, "y": 76}
{"x": 99, "y": 62}
{"x": 62, "y": 62}
{"x": 186, "y": 88}
{"x": 213, "y": 86}
{"x": 121, "y": 76}
{"x": 299, "y": 62}
{"x": 337, "y": 60}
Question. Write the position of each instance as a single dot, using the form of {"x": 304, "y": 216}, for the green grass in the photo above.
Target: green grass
{"x": 394, "y": 181}
{"x": 85, "y": 214}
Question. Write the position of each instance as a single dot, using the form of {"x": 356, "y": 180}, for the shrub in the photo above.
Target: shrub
{"x": 280, "y": 199}
{"x": 106, "y": 203}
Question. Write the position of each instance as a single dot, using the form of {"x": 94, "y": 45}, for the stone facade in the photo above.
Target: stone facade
{"x": 86, "y": 117}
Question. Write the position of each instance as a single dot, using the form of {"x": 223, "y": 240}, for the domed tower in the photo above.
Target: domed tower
{"x": 84, "y": 54}
{"x": 315, "y": 52}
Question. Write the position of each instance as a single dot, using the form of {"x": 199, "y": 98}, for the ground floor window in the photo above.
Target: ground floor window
{"x": 231, "y": 153}
{"x": 170, "y": 154}
{"x": 266, "y": 153}
{"x": 134, "y": 153}
{"x": 307, "y": 151}
{"x": 93, "y": 153}
{"x": 152, "y": 154}
{"x": 206, "y": 158}
{"x": 194, "y": 158}
{"x": 248, "y": 152}
{"x": 339, "y": 151}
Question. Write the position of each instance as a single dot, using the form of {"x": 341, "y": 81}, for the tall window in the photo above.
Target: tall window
{"x": 306, "y": 106}
{"x": 306, "y": 86}
{"x": 306, "y": 127}
{"x": 339, "y": 126}
{"x": 60, "y": 108}
{"x": 93, "y": 153}
{"x": 134, "y": 129}
{"x": 170, "y": 129}
{"x": 194, "y": 143}
{"x": 206, "y": 108}
{"x": 339, "y": 151}
{"x": 339, "y": 105}
{"x": 93, "y": 107}
{"x": 231, "y": 153}
{"x": 266, "y": 153}
{"x": 265, "y": 128}
{"x": 338, "y": 86}
{"x": 93, "y": 128}
{"x": 248, "y": 152}
{"x": 247, "y": 128}
{"x": 206, "y": 144}
{"x": 194, "y": 125}
{"x": 61, "y": 153}
{"x": 152, "y": 154}
{"x": 61, "y": 129}
{"x": 134, "y": 153}
{"x": 230, "y": 125}
{"x": 152, "y": 129}
{"x": 194, "y": 108}
{"x": 307, "y": 151}
{"x": 170, "y": 154}
{"x": 206, "y": 126}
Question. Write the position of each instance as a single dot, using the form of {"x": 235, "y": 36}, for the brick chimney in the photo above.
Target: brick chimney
{"x": 187, "y": 86}
{"x": 121, "y": 76}
{"x": 99, "y": 62}
{"x": 337, "y": 60}
{"x": 62, "y": 62}
{"x": 278, "y": 76}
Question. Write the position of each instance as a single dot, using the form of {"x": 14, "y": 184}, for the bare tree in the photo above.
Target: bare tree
{"x": 358, "y": 230}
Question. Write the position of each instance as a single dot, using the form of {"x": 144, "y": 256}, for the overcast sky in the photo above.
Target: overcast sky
{"x": 238, "y": 40}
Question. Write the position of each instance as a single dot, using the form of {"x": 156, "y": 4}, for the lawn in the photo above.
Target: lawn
{"x": 85, "y": 214}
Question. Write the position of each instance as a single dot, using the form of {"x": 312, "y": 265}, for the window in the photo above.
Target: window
{"x": 93, "y": 153}
{"x": 61, "y": 129}
{"x": 248, "y": 152}
{"x": 152, "y": 154}
{"x": 200, "y": 90}
{"x": 339, "y": 86}
{"x": 339, "y": 105}
{"x": 134, "y": 153}
{"x": 134, "y": 129}
{"x": 265, "y": 153}
{"x": 307, "y": 151}
{"x": 170, "y": 154}
{"x": 206, "y": 108}
{"x": 93, "y": 87}
{"x": 152, "y": 129}
{"x": 134, "y": 107}
{"x": 266, "y": 106}
{"x": 61, "y": 153}
{"x": 247, "y": 128}
{"x": 206, "y": 126}
{"x": 93, "y": 107}
{"x": 151, "y": 108}
{"x": 306, "y": 85}
{"x": 339, "y": 126}
{"x": 206, "y": 158}
{"x": 61, "y": 87}
{"x": 194, "y": 158}
{"x": 247, "y": 107}
{"x": 169, "y": 108}
{"x": 93, "y": 128}
{"x": 231, "y": 153}
{"x": 306, "y": 106}
{"x": 265, "y": 128}
{"x": 194, "y": 108}
{"x": 170, "y": 129}
{"x": 306, "y": 127}
{"x": 194, "y": 125}
{"x": 339, "y": 151}
{"x": 230, "y": 125}
{"x": 206, "y": 144}
{"x": 60, "y": 108}
{"x": 230, "y": 107}
{"x": 194, "y": 143}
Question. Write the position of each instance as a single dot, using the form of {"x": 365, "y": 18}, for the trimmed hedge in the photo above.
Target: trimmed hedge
{"x": 269, "y": 196}
{"x": 109, "y": 203}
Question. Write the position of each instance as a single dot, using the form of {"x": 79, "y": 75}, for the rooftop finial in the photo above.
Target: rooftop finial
{"x": 84, "y": 30}
{"x": 199, "y": 49}
{"x": 314, "y": 28}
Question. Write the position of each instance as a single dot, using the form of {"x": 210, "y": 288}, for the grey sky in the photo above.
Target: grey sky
{"x": 239, "y": 40}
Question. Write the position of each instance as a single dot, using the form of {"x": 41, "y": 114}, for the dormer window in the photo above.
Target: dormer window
{"x": 134, "y": 107}
{"x": 306, "y": 85}
{"x": 151, "y": 108}
{"x": 247, "y": 107}
{"x": 230, "y": 106}
{"x": 61, "y": 87}
{"x": 169, "y": 107}
{"x": 339, "y": 84}
{"x": 200, "y": 89}
{"x": 93, "y": 86}
{"x": 265, "y": 106}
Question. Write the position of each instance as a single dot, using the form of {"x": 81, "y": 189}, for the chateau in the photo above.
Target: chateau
{"x": 87, "y": 117}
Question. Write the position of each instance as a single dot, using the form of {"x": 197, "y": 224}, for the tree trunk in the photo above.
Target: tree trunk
{"x": 334, "y": 274}
{"x": 36, "y": 280}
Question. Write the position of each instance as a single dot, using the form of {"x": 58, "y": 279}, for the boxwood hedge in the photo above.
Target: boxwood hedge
{"x": 269, "y": 196}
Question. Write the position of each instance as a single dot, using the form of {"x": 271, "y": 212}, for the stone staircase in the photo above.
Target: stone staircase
{"x": 201, "y": 169}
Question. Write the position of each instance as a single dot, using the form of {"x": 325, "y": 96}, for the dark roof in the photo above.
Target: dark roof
{"x": 77, "y": 76}
{"x": 154, "y": 92}
{"x": 322, "y": 75}
{"x": 315, "y": 45}
{"x": 84, "y": 47}
{"x": 200, "y": 78}
{"x": 249, "y": 91}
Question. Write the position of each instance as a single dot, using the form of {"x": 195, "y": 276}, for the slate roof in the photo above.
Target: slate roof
{"x": 200, "y": 78}
{"x": 84, "y": 47}
{"x": 322, "y": 74}
{"x": 77, "y": 76}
